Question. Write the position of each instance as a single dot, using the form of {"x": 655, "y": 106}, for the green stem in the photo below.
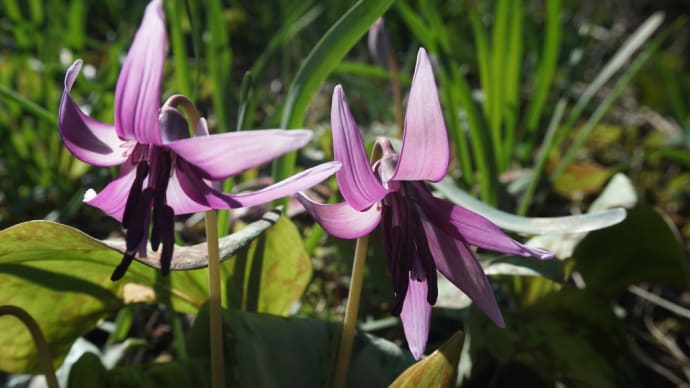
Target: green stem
{"x": 214, "y": 307}
{"x": 345, "y": 350}
{"x": 44, "y": 358}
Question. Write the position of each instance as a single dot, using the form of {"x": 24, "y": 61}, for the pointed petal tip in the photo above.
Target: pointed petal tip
{"x": 425, "y": 136}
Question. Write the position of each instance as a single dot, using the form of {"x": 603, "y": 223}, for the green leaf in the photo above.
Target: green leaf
{"x": 570, "y": 336}
{"x": 320, "y": 62}
{"x": 437, "y": 370}
{"x": 644, "y": 247}
{"x": 534, "y": 225}
{"x": 272, "y": 273}
{"x": 61, "y": 277}
{"x": 268, "y": 351}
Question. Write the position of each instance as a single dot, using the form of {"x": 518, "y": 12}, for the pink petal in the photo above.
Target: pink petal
{"x": 425, "y": 152}
{"x": 113, "y": 198}
{"x": 138, "y": 91}
{"x": 356, "y": 180}
{"x": 415, "y": 316}
{"x": 298, "y": 182}
{"x": 457, "y": 263}
{"x": 195, "y": 194}
{"x": 341, "y": 220}
{"x": 88, "y": 140}
{"x": 472, "y": 228}
{"x": 223, "y": 155}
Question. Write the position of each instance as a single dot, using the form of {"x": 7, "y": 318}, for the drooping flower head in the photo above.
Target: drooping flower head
{"x": 422, "y": 233}
{"x": 165, "y": 171}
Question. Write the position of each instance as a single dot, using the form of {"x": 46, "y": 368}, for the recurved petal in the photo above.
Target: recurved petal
{"x": 113, "y": 198}
{"x": 138, "y": 91}
{"x": 341, "y": 220}
{"x": 88, "y": 140}
{"x": 472, "y": 228}
{"x": 457, "y": 263}
{"x": 356, "y": 180}
{"x": 222, "y": 155}
{"x": 425, "y": 152}
{"x": 415, "y": 316}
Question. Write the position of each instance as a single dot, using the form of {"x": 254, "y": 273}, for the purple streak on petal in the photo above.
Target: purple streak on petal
{"x": 113, "y": 197}
{"x": 415, "y": 316}
{"x": 138, "y": 91}
{"x": 357, "y": 182}
{"x": 457, "y": 263}
{"x": 222, "y": 155}
{"x": 472, "y": 228}
{"x": 341, "y": 220}
{"x": 89, "y": 140}
{"x": 425, "y": 152}
{"x": 189, "y": 193}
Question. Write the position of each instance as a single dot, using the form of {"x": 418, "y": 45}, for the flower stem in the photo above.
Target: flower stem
{"x": 44, "y": 358}
{"x": 214, "y": 307}
{"x": 351, "y": 309}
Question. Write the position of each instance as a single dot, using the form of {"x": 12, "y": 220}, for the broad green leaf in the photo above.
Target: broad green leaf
{"x": 267, "y": 351}
{"x": 61, "y": 277}
{"x": 437, "y": 370}
{"x": 272, "y": 273}
{"x": 570, "y": 336}
{"x": 644, "y": 247}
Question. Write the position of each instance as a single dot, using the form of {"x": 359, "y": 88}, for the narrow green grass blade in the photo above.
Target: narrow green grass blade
{"x": 546, "y": 147}
{"x": 496, "y": 95}
{"x": 179, "y": 50}
{"x": 224, "y": 215}
{"x": 320, "y": 62}
{"x": 291, "y": 28}
{"x": 417, "y": 25}
{"x": 604, "y": 107}
{"x": 512, "y": 81}
{"x": 547, "y": 65}
{"x": 620, "y": 58}
{"x": 479, "y": 137}
{"x": 219, "y": 62}
{"x": 39, "y": 111}
{"x": 481, "y": 41}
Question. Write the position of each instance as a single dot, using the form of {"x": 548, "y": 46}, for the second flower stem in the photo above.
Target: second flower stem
{"x": 215, "y": 310}
{"x": 351, "y": 309}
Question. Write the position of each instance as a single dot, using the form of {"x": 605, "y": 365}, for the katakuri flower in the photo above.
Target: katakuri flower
{"x": 165, "y": 171}
{"x": 421, "y": 233}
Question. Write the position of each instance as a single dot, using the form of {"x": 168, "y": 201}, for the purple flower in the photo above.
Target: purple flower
{"x": 165, "y": 171}
{"x": 422, "y": 233}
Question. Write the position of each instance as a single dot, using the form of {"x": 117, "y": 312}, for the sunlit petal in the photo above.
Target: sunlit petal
{"x": 89, "y": 140}
{"x": 341, "y": 220}
{"x": 113, "y": 198}
{"x": 457, "y": 263}
{"x": 415, "y": 316}
{"x": 356, "y": 180}
{"x": 425, "y": 151}
{"x": 222, "y": 155}
{"x": 138, "y": 91}
{"x": 287, "y": 187}
{"x": 472, "y": 228}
